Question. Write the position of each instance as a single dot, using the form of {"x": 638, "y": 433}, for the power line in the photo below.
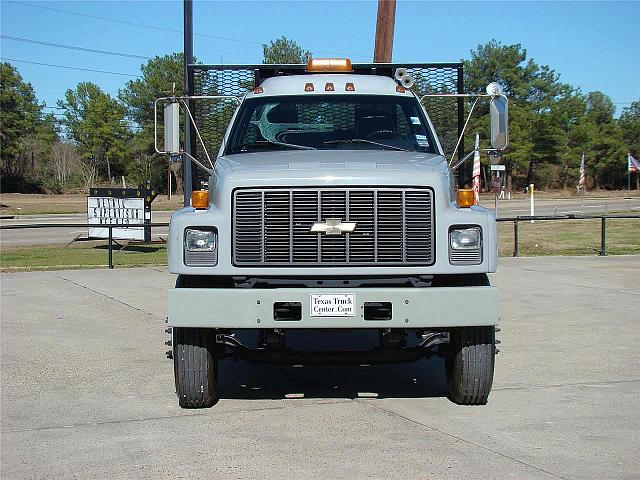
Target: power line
{"x": 68, "y": 67}
{"x": 73, "y": 47}
{"x": 135, "y": 24}
{"x": 155, "y": 27}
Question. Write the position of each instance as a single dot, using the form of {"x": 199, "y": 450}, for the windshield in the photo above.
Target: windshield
{"x": 331, "y": 122}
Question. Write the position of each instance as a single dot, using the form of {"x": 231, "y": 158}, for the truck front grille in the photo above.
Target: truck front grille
{"x": 394, "y": 226}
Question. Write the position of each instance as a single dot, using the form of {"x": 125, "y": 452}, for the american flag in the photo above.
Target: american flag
{"x": 634, "y": 165}
{"x": 582, "y": 181}
{"x": 476, "y": 171}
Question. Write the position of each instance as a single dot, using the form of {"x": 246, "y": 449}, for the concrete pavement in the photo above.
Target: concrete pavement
{"x": 87, "y": 392}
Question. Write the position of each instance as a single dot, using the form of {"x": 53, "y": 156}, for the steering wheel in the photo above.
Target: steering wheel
{"x": 386, "y": 132}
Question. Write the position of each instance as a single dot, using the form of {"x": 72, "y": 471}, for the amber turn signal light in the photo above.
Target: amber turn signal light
{"x": 465, "y": 197}
{"x": 200, "y": 199}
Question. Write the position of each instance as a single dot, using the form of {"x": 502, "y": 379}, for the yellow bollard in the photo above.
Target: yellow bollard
{"x": 531, "y": 188}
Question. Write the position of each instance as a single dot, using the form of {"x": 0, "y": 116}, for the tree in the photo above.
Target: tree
{"x": 630, "y": 123}
{"x": 96, "y": 124}
{"x": 284, "y": 50}
{"x": 546, "y": 115}
{"x": 159, "y": 76}
{"x": 606, "y": 154}
{"x": 26, "y": 134}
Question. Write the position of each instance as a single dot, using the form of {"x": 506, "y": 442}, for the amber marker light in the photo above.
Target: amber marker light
{"x": 308, "y": 87}
{"x": 400, "y": 89}
{"x": 200, "y": 199}
{"x": 465, "y": 197}
{"x": 329, "y": 87}
{"x": 350, "y": 87}
{"x": 329, "y": 65}
{"x": 258, "y": 90}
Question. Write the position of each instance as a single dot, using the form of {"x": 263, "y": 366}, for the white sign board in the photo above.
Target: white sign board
{"x": 497, "y": 168}
{"x": 116, "y": 211}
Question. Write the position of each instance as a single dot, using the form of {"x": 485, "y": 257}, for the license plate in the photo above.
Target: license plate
{"x": 333, "y": 305}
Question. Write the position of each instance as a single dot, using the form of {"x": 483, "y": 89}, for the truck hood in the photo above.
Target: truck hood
{"x": 329, "y": 168}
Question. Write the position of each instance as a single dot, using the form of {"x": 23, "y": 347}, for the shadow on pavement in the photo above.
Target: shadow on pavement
{"x": 243, "y": 380}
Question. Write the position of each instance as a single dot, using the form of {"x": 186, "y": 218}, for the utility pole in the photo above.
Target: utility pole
{"x": 384, "y": 31}
{"x": 188, "y": 58}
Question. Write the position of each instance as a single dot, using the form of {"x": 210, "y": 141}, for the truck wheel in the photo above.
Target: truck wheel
{"x": 470, "y": 364}
{"x": 195, "y": 367}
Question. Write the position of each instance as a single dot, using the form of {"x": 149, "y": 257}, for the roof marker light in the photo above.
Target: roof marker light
{"x": 349, "y": 87}
{"x": 400, "y": 89}
{"x": 329, "y": 87}
{"x": 308, "y": 87}
{"x": 258, "y": 90}
{"x": 329, "y": 65}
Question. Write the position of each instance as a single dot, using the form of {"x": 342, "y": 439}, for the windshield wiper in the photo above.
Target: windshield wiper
{"x": 362, "y": 140}
{"x": 268, "y": 144}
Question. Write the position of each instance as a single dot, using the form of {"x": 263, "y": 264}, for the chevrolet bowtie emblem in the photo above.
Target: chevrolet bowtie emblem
{"x": 333, "y": 226}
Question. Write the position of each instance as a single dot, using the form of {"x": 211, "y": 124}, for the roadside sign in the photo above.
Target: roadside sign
{"x": 497, "y": 168}
{"x": 120, "y": 206}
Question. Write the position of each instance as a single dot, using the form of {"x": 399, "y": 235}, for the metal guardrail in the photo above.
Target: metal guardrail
{"x": 603, "y": 226}
{"x": 516, "y": 220}
{"x": 86, "y": 225}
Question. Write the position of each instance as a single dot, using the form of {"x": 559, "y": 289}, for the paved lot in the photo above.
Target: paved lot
{"x": 87, "y": 392}
{"x": 506, "y": 208}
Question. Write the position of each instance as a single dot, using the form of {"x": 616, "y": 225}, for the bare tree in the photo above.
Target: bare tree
{"x": 65, "y": 160}
{"x": 88, "y": 172}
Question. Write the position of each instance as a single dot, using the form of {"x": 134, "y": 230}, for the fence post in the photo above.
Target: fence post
{"x": 515, "y": 238}
{"x": 603, "y": 237}
{"x": 110, "y": 247}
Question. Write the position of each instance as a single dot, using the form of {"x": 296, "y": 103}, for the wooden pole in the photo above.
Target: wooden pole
{"x": 384, "y": 31}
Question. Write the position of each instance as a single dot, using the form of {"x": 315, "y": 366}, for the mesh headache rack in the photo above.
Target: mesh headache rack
{"x": 213, "y": 116}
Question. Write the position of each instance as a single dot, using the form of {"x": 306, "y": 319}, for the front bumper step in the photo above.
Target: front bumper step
{"x": 251, "y": 308}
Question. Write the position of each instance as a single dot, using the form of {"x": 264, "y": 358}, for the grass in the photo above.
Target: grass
{"x": 79, "y": 255}
{"x": 34, "y": 204}
{"x": 570, "y": 237}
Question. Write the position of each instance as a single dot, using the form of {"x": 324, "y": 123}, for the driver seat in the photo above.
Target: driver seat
{"x": 375, "y": 122}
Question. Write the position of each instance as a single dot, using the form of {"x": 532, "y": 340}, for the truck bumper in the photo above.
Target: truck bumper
{"x": 235, "y": 308}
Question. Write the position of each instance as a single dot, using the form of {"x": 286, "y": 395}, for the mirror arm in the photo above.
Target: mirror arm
{"x": 462, "y": 160}
{"x": 197, "y": 162}
{"x": 463, "y": 130}
{"x": 193, "y": 122}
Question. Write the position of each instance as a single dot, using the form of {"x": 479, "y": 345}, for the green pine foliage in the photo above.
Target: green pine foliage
{"x": 97, "y": 138}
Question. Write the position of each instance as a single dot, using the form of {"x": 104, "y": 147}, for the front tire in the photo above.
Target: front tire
{"x": 470, "y": 364}
{"x": 195, "y": 367}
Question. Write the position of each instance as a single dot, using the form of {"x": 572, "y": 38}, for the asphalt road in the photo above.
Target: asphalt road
{"x": 87, "y": 392}
{"x": 506, "y": 208}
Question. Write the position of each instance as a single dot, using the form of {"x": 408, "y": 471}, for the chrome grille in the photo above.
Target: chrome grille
{"x": 272, "y": 226}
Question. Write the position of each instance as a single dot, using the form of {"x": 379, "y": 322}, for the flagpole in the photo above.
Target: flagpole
{"x": 629, "y": 171}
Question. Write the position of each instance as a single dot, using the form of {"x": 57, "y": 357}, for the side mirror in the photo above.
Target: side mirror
{"x": 499, "y": 114}
{"x": 172, "y": 128}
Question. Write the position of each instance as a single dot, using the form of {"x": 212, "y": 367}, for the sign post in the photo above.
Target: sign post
{"x": 496, "y": 185}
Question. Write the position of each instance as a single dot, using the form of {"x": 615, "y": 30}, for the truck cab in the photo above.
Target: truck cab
{"x": 331, "y": 207}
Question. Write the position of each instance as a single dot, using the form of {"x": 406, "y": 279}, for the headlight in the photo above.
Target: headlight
{"x": 465, "y": 246}
{"x": 465, "y": 239}
{"x": 200, "y": 240}
{"x": 200, "y": 247}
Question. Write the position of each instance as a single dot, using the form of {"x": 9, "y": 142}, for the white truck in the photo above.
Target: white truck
{"x": 331, "y": 206}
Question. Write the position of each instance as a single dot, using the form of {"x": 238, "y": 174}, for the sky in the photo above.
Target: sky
{"x": 592, "y": 45}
